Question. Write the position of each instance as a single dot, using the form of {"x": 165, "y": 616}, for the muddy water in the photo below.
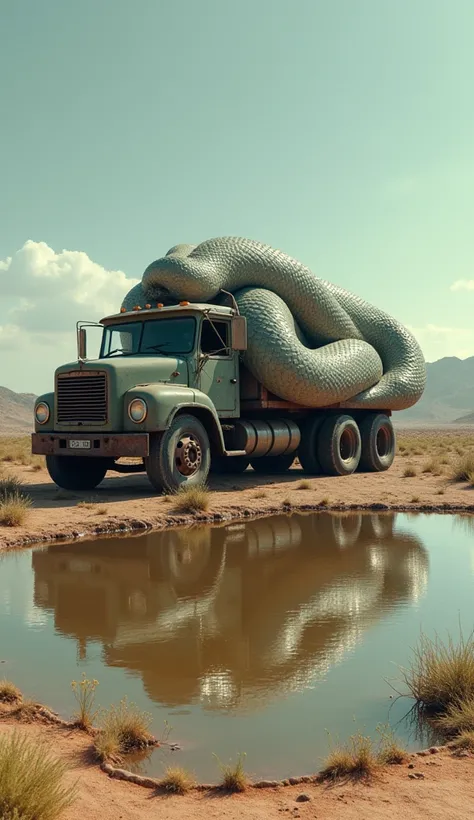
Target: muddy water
{"x": 254, "y": 637}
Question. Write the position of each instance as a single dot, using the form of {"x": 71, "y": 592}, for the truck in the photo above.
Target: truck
{"x": 169, "y": 394}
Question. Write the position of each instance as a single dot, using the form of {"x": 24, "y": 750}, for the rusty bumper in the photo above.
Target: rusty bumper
{"x": 106, "y": 445}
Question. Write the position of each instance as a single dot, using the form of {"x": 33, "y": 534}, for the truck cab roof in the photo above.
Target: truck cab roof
{"x": 146, "y": 312}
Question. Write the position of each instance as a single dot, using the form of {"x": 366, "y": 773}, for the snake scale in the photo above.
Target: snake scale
{"x": 309, "y": 341}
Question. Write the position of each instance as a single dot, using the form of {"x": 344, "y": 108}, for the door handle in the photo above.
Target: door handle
{"x": 233, "y": 381}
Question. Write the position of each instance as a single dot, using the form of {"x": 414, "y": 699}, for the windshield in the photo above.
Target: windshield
{"x": 169, "y": 336}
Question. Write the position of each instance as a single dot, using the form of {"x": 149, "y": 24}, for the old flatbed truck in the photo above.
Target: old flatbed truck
{"x": 169, "y": 392}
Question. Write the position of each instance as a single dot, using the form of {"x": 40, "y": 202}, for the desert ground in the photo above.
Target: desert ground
{"x": 421, "y": 478}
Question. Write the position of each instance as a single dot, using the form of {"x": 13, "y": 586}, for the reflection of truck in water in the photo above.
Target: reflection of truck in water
{"x": 229, "y": 614}
{"x": 168, "y": 388}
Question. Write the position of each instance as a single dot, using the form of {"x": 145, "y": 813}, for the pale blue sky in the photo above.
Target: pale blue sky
{"x": 340, "y": 131}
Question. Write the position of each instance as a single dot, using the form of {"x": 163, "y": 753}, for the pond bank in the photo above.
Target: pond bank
{"x": 436, "y": 786}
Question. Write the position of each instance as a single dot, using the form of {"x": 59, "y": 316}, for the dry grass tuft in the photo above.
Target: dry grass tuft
{"x": 433, "y": 466}
{"x": 390, "y": 752}
{"x": 459, "y": 717}
{"x": 354, "y": 759}
{"x": 13, "y": 509}
{"x": 123, "y": 729}
{"x": 415, "y": 499}
{"x": 409, "y": 472}
{"x": 191, "y": 499}
{"x": 324, "y": 502}
{"x": 31, "y": 781}
{"x": 304, "y": 485}
{"x": 107, "y": 747}
{"x": 260, "y": 494}
{"x": 177, "y": 780}
{"x": 9, "y": 693}
{"x": 465, "y": 741}
{"x": 441, "y": 675}
{"x": 286, "y": 501}
{"x": 463, "y": 468}
{"x": 234, "y": 778}
{"x": 26, "y": 711}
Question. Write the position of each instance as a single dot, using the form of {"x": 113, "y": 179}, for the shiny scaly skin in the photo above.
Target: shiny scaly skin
{"x": 310, "y": 342}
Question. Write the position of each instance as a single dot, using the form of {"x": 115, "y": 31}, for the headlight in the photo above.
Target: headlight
{"x": 137, "y": 410}
{"x": 42, "y": 412}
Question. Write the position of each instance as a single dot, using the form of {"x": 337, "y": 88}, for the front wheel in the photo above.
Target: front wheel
{"x": 76, "y": 472}
{"x": 181, "y": 456}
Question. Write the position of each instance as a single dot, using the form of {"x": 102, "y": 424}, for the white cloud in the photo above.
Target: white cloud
{"x": 463, "y": 284}
{"x": 44, "y": 293}
{"x": 437, "y": 341}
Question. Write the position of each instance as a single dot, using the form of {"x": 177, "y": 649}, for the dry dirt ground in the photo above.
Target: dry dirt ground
{"x": 446, "y": 790}
{"x": 124, "y": 502}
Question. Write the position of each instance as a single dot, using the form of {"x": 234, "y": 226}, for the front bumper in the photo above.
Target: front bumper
{"x": 107, "y": 445}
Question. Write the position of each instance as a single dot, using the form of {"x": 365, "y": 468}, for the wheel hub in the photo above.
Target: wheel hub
{"x": 188, "y": 454}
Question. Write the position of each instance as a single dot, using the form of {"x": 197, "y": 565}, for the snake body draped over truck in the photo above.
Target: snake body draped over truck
{"x": 293, "y": 366}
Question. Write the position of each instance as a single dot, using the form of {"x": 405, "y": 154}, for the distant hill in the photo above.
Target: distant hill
{"x": 449, "y": 393}
{"x": 16, "y": 412}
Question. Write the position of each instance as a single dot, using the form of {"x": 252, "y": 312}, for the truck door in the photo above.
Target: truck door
{"x": 218, "y": 370}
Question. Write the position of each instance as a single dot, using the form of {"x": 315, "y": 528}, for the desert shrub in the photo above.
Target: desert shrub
{"x": 441, "y": 674}
{"x": 191, "y": 499}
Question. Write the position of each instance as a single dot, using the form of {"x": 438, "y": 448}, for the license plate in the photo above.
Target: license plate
{"x": 79, "y": 444}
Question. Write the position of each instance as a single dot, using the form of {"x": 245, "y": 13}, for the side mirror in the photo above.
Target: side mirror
{"x": 239, "y": 333}
{"x": 81, "y": 344}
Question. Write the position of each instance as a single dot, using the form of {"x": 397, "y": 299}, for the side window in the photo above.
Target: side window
{"x": 215, "y": 338}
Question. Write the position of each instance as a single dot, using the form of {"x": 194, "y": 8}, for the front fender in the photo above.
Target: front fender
{"x": 161, "y": 400}
{"x": 164, "y": 401}
{"x": 49, "y": 426}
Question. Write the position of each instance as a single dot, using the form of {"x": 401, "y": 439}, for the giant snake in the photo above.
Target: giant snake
{"x": 309, "y": 341}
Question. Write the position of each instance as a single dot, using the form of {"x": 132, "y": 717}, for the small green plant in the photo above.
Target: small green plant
{"x": 177, "y": 780}
{"x": 441, "y": 674}
{"x": 459, "y": 717}
{"x": 463, "y": 468}
{"x": 354, "y": 759}
{"x": 84, "y": 694}
{"x": 13, "y": 509}
{"x": 303, "y": 485}
{"x": 9, "y": 693}
{"x": 409, "y": 472}
{"x": 234, "y": 778}
{"x": 31, "y": 780}
{"x": 191, "y": 499}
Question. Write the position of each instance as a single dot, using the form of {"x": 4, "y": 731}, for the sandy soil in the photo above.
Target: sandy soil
{"x": 445, "y": 791}
{"x": 128, "y": 502}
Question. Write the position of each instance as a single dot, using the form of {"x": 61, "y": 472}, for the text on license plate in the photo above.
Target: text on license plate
{"x": 79, "y": 443}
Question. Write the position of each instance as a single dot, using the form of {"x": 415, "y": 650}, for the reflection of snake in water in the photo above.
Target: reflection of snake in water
{"x": 310, "y": 342}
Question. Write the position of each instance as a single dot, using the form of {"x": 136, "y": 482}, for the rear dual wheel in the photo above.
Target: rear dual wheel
{"x": 337, "y": 445}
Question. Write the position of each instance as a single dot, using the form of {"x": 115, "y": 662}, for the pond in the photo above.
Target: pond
{"x": 254, "y": 637}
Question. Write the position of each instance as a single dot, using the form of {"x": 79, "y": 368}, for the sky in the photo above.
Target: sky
{"x": 341, "y": 132}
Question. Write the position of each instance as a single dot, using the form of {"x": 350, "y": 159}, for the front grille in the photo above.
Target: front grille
{"x": 81, "y": 398}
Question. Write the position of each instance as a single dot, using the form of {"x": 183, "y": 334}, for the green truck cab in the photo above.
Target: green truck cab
{"x": 169, "y": 395}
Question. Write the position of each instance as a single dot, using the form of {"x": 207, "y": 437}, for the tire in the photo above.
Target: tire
{"x": 308, "y": 449}
{"x": 378, "y": 443}
{"x": 272, "y": 465}
{"x": 77, "y": 472}
{"x": 229, "y": 465}
{"x": 339, "y": 445}
{"x": 179, "y": 456}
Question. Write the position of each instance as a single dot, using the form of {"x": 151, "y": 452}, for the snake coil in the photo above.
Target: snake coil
{"x": 310, "y": 342}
